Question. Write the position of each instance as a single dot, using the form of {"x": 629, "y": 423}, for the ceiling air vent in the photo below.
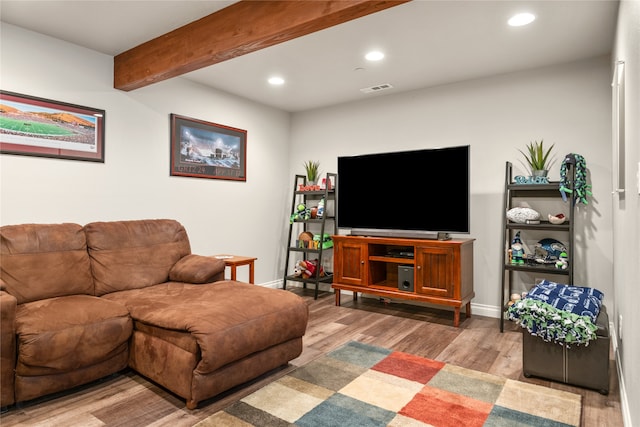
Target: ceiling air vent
{"x": 376, "y": 88}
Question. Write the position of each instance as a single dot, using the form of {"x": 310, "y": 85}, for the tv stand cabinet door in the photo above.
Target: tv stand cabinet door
{"x": 350, "y": 262}
{"x": 434, "y": 272}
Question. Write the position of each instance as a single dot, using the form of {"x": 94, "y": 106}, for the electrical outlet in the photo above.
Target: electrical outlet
{"x": 619, "y": 327}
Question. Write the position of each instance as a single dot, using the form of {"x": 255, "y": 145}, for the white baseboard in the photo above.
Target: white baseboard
{"x": 486, "y": 310}
{"x": 325, "y": 287}
{"x": 275, "y": 284}
{"x": 624, "y": 400}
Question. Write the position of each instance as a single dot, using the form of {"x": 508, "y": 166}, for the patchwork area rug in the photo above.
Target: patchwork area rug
{"x": 359, "y": 385}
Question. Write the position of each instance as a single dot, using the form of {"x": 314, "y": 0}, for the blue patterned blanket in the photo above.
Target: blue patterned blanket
{"x": 559, "y": 313}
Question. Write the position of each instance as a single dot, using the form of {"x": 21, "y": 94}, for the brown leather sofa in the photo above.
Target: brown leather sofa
{"x": 79, "y": 303}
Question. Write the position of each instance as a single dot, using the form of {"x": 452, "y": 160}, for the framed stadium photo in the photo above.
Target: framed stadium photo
{"x": 41, "y": 127}
{"x": 207, "y": 150}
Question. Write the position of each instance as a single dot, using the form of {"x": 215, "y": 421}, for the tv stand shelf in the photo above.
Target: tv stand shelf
{"x": 440, "y": 272}
{"x": 392, "y": 259}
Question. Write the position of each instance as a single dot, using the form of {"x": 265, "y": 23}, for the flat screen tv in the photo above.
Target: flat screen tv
{"x": 419, "y": 193}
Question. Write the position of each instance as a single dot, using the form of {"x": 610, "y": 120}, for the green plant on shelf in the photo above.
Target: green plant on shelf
{"x": 312, "y": 169}
{"x": 537, "y": 157}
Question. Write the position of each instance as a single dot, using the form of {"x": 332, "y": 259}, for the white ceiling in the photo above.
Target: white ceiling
{"x": 427, "y": 43}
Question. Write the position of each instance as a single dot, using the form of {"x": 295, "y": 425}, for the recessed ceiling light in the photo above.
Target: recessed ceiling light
{"x": 521, "y": 19}
{"x": 374, "y": 56}
{"x": 276, "y": 80}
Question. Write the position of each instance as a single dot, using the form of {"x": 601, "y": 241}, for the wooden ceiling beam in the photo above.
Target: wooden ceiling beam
{"x": 241, "y": 28}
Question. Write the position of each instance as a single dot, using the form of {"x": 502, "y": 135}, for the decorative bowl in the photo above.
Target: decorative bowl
{"x": 557, "y": 219}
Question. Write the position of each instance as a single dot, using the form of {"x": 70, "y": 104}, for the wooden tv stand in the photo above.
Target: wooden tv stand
{"x": 442, "y": 270}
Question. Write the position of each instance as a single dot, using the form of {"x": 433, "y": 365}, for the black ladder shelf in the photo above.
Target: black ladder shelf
{"x": 295, "y": 252}
{"x": 528, "y": 192}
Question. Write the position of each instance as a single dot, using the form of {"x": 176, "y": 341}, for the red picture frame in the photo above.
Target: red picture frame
{"x": 202, "y": 149}
{"x": 33, "y": 126}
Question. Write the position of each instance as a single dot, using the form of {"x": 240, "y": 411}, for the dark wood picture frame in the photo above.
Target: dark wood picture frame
{"x": 207, "y": 150}
{"x": 33, "y": 126}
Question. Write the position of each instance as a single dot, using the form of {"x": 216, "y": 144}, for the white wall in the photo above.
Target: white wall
{"x": 626, "y": 217}
{"x": 568, "y": 105}
{"x": 134, "y": 182}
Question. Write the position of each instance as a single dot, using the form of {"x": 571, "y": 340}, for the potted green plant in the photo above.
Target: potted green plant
{"x": 312, "y": 168}
{"x": 538, "y": 158}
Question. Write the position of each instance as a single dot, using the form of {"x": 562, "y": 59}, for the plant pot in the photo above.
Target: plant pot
{"x": 542, "y": 172}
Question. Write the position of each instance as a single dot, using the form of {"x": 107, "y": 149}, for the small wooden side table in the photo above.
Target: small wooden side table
{"x": 233, "y": 261}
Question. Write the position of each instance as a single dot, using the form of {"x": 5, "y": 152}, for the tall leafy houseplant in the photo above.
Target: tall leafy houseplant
{"x": 538, "y": 157}
{"x": 312, "y": 168}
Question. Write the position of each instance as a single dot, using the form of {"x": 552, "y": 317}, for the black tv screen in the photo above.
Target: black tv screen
{"x": 418, "y": 191}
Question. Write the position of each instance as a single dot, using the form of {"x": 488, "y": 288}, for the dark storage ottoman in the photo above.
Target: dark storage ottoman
{"x": 579, "y": 365}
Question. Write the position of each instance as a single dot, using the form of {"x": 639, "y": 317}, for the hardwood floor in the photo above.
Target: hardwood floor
{"x": 127, "y": 399}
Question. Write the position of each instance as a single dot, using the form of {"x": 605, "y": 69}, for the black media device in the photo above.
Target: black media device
{"x": 400, "y": 252}
{"x": 418, "y": 194}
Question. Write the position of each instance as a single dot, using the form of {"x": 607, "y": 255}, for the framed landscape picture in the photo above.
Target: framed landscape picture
{"x": 207, "y": 150}
{"x": 34, "y": 126}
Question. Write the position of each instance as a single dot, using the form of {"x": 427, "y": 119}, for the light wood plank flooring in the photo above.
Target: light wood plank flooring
{"x": 126, "y": 399}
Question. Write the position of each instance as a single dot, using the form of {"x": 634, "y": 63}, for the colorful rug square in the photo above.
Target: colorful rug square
{"x": 359, "y": 385}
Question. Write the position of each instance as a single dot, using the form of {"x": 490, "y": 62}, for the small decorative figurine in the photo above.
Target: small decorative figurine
{"x": 307, "y": 269}
{"x": 563, "y": 261}
{"x": 320, "y": 213}
{"x": 517, "y": 251}
{"x": 514, "y": 298}
{"x": 302, "y": 213}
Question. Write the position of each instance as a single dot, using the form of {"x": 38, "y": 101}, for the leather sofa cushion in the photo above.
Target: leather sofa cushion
{"x": 228, "y": 319}
{"x": 68, "y": 333}
{"x": 8, "y": 305}
{"x": 197, "y": 269}
{"x": 44, "y": 260}
{"x": 180, "y": 339}
{"x": 134, "y": 254}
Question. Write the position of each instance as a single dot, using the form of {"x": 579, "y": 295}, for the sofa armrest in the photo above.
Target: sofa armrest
{"x": 197, "y": 269}
{"x": 8, "y": 305}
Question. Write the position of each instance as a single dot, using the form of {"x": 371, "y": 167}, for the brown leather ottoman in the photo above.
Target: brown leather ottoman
{"x": 201, "y": 340}
{"x": 579, "y": 365}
